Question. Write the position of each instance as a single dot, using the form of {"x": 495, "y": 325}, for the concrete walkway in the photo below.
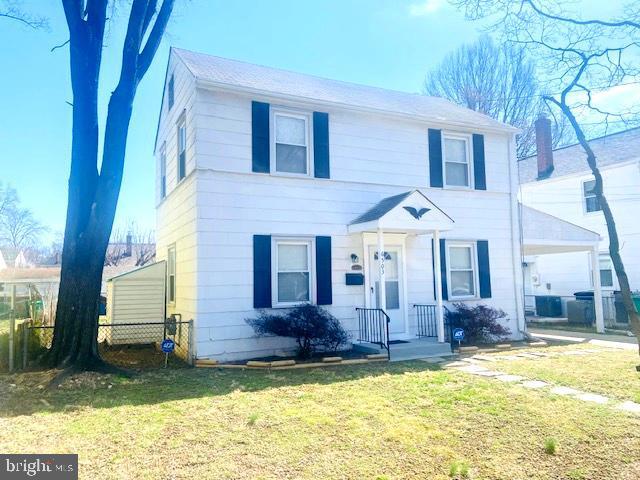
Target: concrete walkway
{"x": 615, "y": 341}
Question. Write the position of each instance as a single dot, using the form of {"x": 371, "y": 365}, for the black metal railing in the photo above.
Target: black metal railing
{"x": 373, "y": 327}
{"x": 427, "y": 320}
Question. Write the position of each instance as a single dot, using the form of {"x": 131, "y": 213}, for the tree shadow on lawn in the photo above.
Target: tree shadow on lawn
{"x": 26, "y": 393}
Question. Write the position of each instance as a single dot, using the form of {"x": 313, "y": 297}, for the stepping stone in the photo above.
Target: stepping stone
{"x": 592, "y": 397}
{"x": 525, "y": 355}
{"x": 488, "y": 373}
{"x": 484, "y": 358}
{"x": 629, "y": 406}
{"x": 434, "y": 360}
{"x": 509, "y": 357}
{"x": 565, "y": 391}
{"x": 575, "y": 352}
{"x": 470, "y": 360}
{"x": 538, "y": 354}
{"x": 509, "y": 378}
{"x": 534, "y": 384}
{"x": 454, "y": 364}
{"x": 472, "y": 369}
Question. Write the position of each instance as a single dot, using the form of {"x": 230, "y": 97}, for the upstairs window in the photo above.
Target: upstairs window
{"x": 462, "y": 270}
{"x": 163, "y": 171}
{"x": 170, "y": 92}
{"x": 293, "y": 272}
{"x": 171, "y": 275}
{"x": 457, "y": 171}
{"x": 182, "y": 148}
{"x": 291, "y": 143}
{"x": 591, "y": 203}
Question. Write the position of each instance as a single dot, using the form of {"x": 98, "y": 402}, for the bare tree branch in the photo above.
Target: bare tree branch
{"x": 12, "y": 10}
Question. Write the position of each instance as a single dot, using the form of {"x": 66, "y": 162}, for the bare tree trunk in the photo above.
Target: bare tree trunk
{"x": 93, "y": 196}
{"x": 614, "y": 242}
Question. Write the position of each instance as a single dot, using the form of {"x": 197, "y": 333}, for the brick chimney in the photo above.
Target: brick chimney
{"x": 544, "y": 149}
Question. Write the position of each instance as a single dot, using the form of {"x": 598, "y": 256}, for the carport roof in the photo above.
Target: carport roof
{"x": 543, "y": 233}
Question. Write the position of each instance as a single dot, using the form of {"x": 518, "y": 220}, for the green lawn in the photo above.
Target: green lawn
{"x": 609, "y": 372}
{"x": 380, "y": 421}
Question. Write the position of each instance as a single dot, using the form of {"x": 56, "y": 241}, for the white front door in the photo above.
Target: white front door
{"x": 393, "y": 284}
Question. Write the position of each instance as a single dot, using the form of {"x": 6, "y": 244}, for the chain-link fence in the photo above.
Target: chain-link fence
{"x": 21, "y": 301}
{"x": 128, "y": 345}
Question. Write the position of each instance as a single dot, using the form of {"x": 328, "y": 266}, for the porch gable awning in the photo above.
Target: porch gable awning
{"x": 543, "y": 234}
{"x": 408, "y": 212}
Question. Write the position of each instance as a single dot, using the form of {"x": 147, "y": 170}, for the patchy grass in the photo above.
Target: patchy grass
{"x": 610, "y": 372}
{"x": 390, "y": 421}
{"x": 550, "y": 446}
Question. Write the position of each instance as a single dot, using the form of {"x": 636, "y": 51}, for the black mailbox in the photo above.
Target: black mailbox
{"x": 354, "y": 279}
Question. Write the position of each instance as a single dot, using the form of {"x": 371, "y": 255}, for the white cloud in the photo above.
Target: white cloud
{"x": 426, "y": 7}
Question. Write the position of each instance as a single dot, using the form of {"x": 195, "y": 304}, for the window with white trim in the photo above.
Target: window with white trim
{"x": 163, "y": 171}
{"x": 182, "y": 148}
{"x": 456, "y": 158}
{"x": 591, "y": 203}
{"x": 290, "y": 143}
{"x": 462, "y": 270}
{"x": 606, "y": 271}
{"x": 171, "y": 274}
{"x": 293, "y": 272}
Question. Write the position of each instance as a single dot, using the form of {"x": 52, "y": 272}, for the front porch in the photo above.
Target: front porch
{"x": 374, "y": 337}
{"x": 384, "y": 321}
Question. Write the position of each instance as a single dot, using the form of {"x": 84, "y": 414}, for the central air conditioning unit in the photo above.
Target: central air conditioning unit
{"x": 548, "y": 306}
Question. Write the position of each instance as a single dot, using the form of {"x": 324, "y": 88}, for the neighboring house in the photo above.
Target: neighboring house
{"x": 13, "y": 258}
{"x": 130, "y": 253}
{"x": 560, "y": 183}
{"x": 276, "y": 188}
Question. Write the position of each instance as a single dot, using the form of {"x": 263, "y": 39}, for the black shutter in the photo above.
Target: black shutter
{"x": 324, "y": 294}
{"x": 435, "y": 158}
{"x": 321, "y": 144}
{"x": 260, "y": 137}
{"x": 479, "y": 175}
{"x": 443, "y": 269}
{"x": 262, "y": 271}
{"x": 484, "y": 271}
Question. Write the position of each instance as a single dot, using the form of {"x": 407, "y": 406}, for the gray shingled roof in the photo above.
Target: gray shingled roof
{"x": 381, "y": 208}
{"x": 537, "y": 225}
{"x": 260, "y": 79}
{"x": 611, "y": 149}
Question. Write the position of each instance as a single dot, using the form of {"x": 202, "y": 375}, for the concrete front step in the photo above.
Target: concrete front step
{"x": 412, "y": 350}
{"x": 418, "y": 351}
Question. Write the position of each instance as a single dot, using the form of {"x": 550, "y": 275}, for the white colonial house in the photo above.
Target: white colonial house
{"x": 276, "y": 188}
{"x": 559, "y": 182}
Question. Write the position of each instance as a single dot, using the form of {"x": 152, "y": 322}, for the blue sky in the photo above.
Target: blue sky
{"x": 390, "y": 44}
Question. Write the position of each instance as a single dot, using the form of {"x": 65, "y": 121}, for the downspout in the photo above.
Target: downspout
{"x": 516, "y": 238}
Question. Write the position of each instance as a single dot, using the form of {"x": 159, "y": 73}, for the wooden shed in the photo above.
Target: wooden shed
{"x": 136, "y": 297}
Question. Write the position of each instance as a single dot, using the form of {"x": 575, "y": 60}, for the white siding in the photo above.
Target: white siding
{"x": 184, "y": 98}
{"x": 136, "y": 297}
{"x": 213, "y": 215}
{"x": 364, "y": 148}
{"x": 176, "y": 225}
{"x": 563, "y": 198}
